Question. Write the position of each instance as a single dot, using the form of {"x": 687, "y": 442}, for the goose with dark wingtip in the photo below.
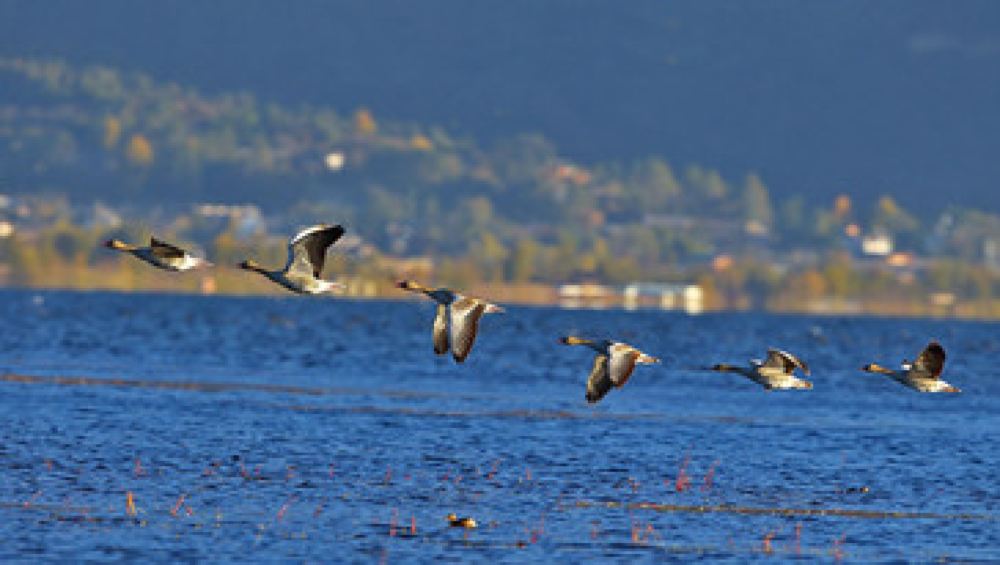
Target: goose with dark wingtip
{"x": 457, "y": 320}
{"x": 306, "y": 255}
{"x": 614, "y": 363}
{"x": 160, "y": 254}
{"x": 775, "y": 372}
{"x": 923, "y": 375}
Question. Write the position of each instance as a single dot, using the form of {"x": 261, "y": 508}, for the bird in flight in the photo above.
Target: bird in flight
{"x": 922, "y": 375}
{"x": 306, "y": 255}
{"x": 613, "y": 364}
{"x": 160, "y": 254}
{"x": 775, "y": 372}
{"x": 457, "y": 320}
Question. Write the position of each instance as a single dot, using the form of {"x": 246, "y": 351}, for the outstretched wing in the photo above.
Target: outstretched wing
{"x": 784, "y": 361}
{"x": 307, "y": 250}
{"x": 164, "y": 250}
{"x": 623, "y": 359}
{"x": 465, "y": 314}
{"x": 930, "y": 361}
{"x": 441, "y": 330}
{"x": 599, "y": 381}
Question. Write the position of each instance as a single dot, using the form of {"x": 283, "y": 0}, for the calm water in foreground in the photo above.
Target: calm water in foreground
{"x": 326, "y": 430}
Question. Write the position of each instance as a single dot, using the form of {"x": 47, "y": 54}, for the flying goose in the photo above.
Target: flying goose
{"x": 613, "y": 364}
{"x": 306, "y": 255}
{"x": 774, "y": 372}
{"x": 160, "y": 254}
{"x": 461, "y": 313}
{"x": 923, "y": 375}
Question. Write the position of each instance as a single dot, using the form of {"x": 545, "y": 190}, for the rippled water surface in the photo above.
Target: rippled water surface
{"x": 309, "y": 429}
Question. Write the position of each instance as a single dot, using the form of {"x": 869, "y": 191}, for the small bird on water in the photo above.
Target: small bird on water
{"x": 463, "y": 522}
{"x": 457, "y": 320}
{"x": 160, "y": 254}
{"x": 613, "y": 364}
{"x": 306, "y": 255}
{"x": 775, "y": 372}
{"x": 923, "y": 375}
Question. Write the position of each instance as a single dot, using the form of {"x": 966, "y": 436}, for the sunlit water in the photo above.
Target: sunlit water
{"x": 317, "y": 429}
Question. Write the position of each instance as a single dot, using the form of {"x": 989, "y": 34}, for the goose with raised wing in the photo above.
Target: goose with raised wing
{"x": 614, "y": 363}
{"x": 923, "y": 375}
{"x": 160, "y": 254}
{"x": 457, "y": 320}
{"x": 775, "y": 372}
{"x": 306, "y": 256}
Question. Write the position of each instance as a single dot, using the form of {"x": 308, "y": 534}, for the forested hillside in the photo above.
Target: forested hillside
{"x": 95, "y": 133}
{"x": 783, "y": 155}
{"x": 820, "y": 98}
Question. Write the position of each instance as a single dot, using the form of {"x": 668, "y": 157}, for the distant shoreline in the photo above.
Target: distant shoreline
{"x": 497, "y": 292}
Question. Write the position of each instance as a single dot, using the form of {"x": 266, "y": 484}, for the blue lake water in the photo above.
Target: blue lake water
{"x": 319, "y": 429}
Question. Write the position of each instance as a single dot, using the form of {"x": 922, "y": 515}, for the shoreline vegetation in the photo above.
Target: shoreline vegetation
{"x": 122, "y": 276}
{"x": 94, "y": 152}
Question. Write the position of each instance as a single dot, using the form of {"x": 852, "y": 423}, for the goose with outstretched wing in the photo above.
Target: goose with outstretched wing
{"x": 306, "y": 256}
{"x": 613, "y": 365}
{"x": 456, "y": 321}
{"x": 160, "y": 254}
{"x": 923, "y": 375}
{"x": 775, "y": 372}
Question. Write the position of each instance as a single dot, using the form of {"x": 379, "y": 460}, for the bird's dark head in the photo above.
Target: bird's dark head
{"x": 250, "y": 265}
{"x": 115, "y": 244}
